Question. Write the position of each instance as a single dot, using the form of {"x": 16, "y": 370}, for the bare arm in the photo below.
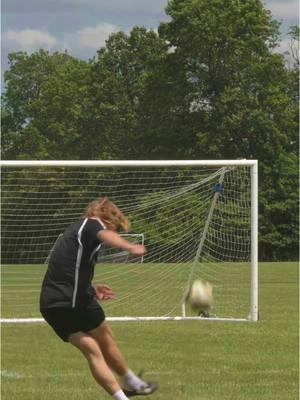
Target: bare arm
{"x": 112, "y": 239}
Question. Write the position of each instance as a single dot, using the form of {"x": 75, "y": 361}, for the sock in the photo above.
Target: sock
{"x": 120, "y": 395}
{"x": 132, "y": 381}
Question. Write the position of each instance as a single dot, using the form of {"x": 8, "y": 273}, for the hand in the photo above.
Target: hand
{"x": 137, "y": 250}
{"x": 104, "y": 292}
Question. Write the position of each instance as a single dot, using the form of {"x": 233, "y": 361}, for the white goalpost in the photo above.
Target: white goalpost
{"x": 197, "y": 219}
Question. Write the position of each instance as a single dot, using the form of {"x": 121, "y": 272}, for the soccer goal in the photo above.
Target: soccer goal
{"x": 198, "y": 219}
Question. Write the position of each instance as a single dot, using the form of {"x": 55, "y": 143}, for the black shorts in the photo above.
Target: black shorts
{"x": 66, "y": 321}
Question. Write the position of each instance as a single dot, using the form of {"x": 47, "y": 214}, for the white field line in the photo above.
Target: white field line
{"x": 15, "y": 375}
{"x": 11, "y": 374}
{"x": 129, "y": 319}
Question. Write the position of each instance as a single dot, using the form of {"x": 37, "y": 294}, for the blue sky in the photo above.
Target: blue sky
{"x": 82, "y": 26}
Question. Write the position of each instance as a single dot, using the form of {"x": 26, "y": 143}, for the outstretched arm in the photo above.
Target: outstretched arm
{"x": 112, "y": 239}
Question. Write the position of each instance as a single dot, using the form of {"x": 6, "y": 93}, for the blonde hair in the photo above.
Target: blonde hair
{"x": 109, "y": 213}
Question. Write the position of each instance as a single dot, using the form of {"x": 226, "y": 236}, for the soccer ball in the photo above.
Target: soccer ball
{"x": 200, "y": 295}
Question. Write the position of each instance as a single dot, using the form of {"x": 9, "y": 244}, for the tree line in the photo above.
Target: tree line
{"x": 208, "y": 84}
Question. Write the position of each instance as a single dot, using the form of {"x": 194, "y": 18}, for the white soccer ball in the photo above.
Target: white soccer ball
{"x": 200, "y": 295}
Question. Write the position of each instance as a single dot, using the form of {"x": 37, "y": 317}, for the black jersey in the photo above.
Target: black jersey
{"x": 68, "y": 280}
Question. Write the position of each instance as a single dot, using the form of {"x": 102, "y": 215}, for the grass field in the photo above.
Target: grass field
{"x": 192, "y": 360}
{"x": 147, "y": 289}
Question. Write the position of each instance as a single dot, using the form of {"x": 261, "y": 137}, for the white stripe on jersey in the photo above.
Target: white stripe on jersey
{"x": 100, "y": 222}
{"x": 98, "y": 247}
{"x": 94, "y": 251}
{"x": 78, "y": 261}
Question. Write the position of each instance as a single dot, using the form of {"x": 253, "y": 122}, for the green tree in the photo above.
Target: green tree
{"x": 210, "y": 85}
{"x": 44, "y": 107}
{"x": 120, "y": 78}
{"x": 235, "y": 98}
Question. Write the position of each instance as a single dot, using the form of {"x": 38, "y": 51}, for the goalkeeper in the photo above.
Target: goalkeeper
{"x": 68, "y": 301}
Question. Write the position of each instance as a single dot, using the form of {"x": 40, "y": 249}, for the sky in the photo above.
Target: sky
{"x": 82, "y": 26}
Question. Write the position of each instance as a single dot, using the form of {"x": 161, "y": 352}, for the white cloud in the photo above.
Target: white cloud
{"x": 28, "y": 40}
{"x": 95, "y": 37}
{"x": 86, "y": 41}
{"x": 283, "y": 9}
{"x": 82, "y": 43}
{"x": 116, "y": 7}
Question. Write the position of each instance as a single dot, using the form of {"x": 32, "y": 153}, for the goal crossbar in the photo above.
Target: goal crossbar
{"x": 123, "y": 163}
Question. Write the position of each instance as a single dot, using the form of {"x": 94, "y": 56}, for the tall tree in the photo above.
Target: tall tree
{"x": 233, "y": 95}
{"x": 119, "y": 80}
{"x": 44, "y": 106}
{"x": 209, "y": 85}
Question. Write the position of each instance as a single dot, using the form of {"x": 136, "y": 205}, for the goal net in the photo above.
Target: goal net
{"x": 197, "y": 220}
